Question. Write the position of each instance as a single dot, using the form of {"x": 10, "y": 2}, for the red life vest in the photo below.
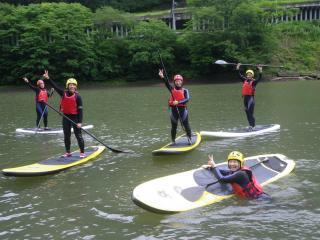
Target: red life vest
{"x": 252, "y": 190}
{"x": 248, "y": 88}
{"x": 42, "y": 96}
{"x": 68, "y": 105}
{"x": 177, "y": 95}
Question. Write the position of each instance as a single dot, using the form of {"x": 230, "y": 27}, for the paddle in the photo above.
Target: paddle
{"x": 112, "y": 149}
{"x": 167, "y": 79}
{"x": 195, "y": 193}
{"x": 44, "y": 110}
{"x": 222, "y": 62}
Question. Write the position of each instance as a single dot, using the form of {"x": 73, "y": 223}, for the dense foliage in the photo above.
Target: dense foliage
{"x": 72, "y": 40}
{"x": 126, "y": 5}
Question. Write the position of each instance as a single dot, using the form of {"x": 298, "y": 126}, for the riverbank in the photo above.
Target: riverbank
{"x": 218, "y": 78}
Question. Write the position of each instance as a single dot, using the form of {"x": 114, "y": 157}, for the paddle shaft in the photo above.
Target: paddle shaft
{"x": 250, "y": 64}
{"x": 167, "y": 79}
{"x": 91, "y": 135}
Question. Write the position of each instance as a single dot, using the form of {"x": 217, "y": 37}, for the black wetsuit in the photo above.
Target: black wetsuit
{"x": 227, "y": 176}
{"x": 181, "y": 112}
{"x": 66, "y": 124}
{"x": 248, "y": 100}
{"x": 40, "y": 107}
{"x": 240, "y": 177}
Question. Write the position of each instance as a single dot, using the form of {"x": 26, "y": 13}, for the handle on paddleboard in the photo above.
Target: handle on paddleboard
{"x": 87, "y": 132}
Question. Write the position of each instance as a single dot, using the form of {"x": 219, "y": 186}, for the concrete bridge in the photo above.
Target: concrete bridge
{"x": 176, "y": 18}
{"x": 304, "y": 12}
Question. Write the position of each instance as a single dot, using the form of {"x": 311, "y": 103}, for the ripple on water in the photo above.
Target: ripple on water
{"x": 113, "y": 217}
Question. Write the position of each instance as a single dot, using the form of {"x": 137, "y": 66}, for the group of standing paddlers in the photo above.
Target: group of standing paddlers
{"x": 72, "y": 111}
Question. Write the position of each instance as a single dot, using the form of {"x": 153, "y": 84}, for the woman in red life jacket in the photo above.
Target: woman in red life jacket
{"x": 178, "y": 105}
{"x": 248, "y": 91}
{"x": 41, "y": 99}
{"x": 71, "y": 106}
{"x": 241, "y": 178}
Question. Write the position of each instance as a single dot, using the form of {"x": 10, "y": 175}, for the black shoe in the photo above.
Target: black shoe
{"x": 189, "y": 141}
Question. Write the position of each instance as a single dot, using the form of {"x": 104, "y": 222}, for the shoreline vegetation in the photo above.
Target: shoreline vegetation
{"x": 222, "y": 79}
{"x": 89, "y": 45}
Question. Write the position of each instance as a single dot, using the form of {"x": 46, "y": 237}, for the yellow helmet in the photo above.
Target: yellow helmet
{"x": 235, "y": 155}
{"x": 71, "y": 80}
{"x": 250, "y": 71}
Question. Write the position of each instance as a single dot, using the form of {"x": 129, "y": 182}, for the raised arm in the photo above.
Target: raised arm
{"x": 259, "y": 67}
{"x": 166, "y": 81}
{"x": 59, "y": 90}
{"x": 241, "y": 77}
{"x": 36, "y": 89}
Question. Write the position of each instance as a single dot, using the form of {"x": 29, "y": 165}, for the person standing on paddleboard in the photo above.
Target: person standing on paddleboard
{"x": 178, "y": 105}
{"x": 241, "y": 178}
{"x": 248, "y": 91}
{"x": 41, "y": 99}
{"x": 71, "y": 106}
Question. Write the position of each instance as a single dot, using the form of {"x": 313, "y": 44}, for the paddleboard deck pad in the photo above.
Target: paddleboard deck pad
{"x": 189, "y": 190}
{"x": 54, "y": 164}
{"x": 46, "y": 131}
{"x": 242, "y": 132}
{"x": 181, "y": 145}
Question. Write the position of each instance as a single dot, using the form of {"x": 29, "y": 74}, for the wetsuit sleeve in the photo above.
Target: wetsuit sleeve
{"x": 168, "y": 85}
{"x": 59, "y": 90}
{"x": 242, "y": 77}
{"x": 36, "y": 89}
{"x": 236, "y": 177}
{"x": 80, "y": 108}
{"x": 258, "y": 79}
{"x": 186, "y": 97}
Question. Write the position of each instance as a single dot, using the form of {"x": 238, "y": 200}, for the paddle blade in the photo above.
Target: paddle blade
{"x": 220, "y": 62}
{"x": 193, "y": 194}
{"x": 118, "y": 151}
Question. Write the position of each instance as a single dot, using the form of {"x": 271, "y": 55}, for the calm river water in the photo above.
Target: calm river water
{"x": 93, "y": 201}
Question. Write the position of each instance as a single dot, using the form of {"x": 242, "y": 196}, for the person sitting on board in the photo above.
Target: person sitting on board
{"x": 41, "y": 99}
{"x": 241, "y": 178}
{"x": 178, "y": 106}
{"x": 71, "y": 106}
{"x": 248, "y": 91}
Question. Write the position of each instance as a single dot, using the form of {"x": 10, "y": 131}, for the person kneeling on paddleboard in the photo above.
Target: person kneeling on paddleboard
{"x": 241, "y": 178}
{"x": 248, "y": 90}
{"x": 41, "y": 99}
{"x": 70, "y": 106}
{"x": 178, "y": 105}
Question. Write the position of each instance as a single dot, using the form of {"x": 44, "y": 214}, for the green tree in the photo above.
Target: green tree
{"x": 106, "y": 18}
{"x": 131, "y": 6}
{"x": 145, "y": 42}
{"x": 112, "y": 59}
{"x": 47, "y": 36}
{"x": 227, "y": 30}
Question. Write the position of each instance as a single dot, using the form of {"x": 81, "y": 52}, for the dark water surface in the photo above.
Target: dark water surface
{"x": 93, "y": 201}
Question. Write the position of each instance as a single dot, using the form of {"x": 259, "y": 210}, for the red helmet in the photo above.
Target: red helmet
{"x": 177, "y": 77}
{"x": 39, "y": 82}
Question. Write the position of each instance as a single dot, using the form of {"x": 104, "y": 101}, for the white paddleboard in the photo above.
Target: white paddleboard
{"x": 46, "y": 131}
{"x": 242, "y": 132}
{"x": 199, "y": 187}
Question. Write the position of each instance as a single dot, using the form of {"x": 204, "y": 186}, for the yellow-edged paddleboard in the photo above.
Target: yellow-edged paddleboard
{"x": 55, "y": 164}
{"x": 189, "y": 190}
{"x": 180, "y": 146}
